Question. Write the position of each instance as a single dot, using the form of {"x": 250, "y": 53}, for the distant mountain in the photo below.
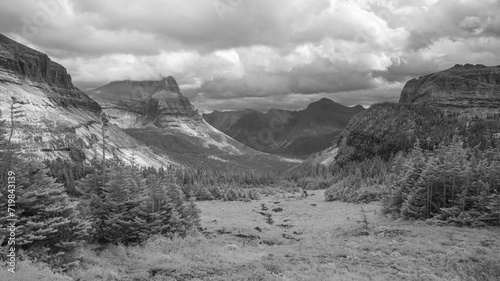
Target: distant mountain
{"x": 133, "y": 104}
{"x": 224, "y": 120}
{"x": 463, "y": 102}
{"x": 158, "y": 107}
{"x": 297, "y": 133}
{"x": 56, "y": 119}
{"x": 156, "y": 113}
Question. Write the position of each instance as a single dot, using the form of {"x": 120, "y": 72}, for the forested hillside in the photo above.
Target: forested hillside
{"x": 295, "y": 133}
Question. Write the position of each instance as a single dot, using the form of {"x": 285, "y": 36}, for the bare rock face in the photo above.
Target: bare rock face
{"x": 28, "y": 64}
{"x": 55, "y": 118}
{"x": 141, "y": 103}
{"x": 460, "y": 87}
{"x": 423, "y": 114}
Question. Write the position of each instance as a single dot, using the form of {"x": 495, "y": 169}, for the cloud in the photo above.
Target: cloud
{"x": 259, "y": 53}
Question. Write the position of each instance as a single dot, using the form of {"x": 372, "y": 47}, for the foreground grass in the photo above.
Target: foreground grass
{"x": 311, "y": 247}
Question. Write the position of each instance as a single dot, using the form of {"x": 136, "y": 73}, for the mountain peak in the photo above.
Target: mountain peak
{"x": 324, "y": 104}
{"x": 34, "y": 65}
{"x": 326, "y": 101}
{"x": 172, "y": 85}
{"x": 467, "y": 66}
{"x": 139, "y": 90}
{"x": 358, "y": 107}
{"x": 158, "y": 102}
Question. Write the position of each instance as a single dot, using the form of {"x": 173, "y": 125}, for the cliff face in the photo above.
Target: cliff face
{"x": 432, "y": 110}
{"x": 28, "y": 64}
{"x": 133, "y": 104}
{"x": 460, "y": 87}
{"x": 56, "y": 119}
{"x": 157, "y": 113}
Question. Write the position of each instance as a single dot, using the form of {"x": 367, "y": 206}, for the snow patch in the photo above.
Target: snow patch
{"x": 217, "y": 158}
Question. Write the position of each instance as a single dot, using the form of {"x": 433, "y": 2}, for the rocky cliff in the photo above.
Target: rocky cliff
{"x": 463, "y": 102}
{"x": 157, "y": 113}
{"x": 462, "y": 87}
{"x": 27, "y": 64}
{"x": 133, "y": 104}
{"x": 56, "y": 119}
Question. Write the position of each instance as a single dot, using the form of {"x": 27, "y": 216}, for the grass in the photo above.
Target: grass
{"x": 310, "y": 239}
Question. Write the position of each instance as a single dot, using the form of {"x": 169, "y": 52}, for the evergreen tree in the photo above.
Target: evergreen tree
{"x": 47, "y": 224}
{"x": 48, "y": 227}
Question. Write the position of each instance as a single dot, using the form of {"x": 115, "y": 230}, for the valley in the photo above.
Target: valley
{"x": 126, "y": 180}
{"x": 294, "y": 133}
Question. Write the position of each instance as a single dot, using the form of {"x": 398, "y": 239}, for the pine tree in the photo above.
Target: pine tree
{"x": 48, "y": 227}
{"x": 193, "y": 214}
{"x": 116, "y": 206}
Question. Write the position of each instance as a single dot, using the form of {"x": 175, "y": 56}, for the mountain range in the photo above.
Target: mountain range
{"x": 55, "y": 119}
{"x": 159, "y": 115}
{"x": 149, "y": 122}
{"x": 158, "y": 107}
{"x": 298, "y": 133}
{"x": 153, "y": 123}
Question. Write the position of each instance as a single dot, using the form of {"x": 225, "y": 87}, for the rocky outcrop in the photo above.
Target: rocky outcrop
{"x": 134, "y": 104}
{"x": 463, "y": 101}
{"x": 54, "y": 118}
{"x": 158, "y": 114}
{"x": 460, "y": 87}
{"x": 36, "y": 67}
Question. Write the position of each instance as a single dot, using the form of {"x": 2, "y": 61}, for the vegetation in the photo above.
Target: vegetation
{"x": 387, "y": 128}
{"x": 110, "y": 203}
{"x": 82, "y": 216}
{"x": 452, "y": 183}
{"x": 450, "y": 173}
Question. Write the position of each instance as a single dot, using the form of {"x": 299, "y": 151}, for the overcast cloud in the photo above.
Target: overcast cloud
{"x": 234, "y": 54}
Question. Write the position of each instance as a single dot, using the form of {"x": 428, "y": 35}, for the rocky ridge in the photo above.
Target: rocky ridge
{"x": 133, "y": 104}
{"x": 57, "y": 119}
{"x": 462, "y": 87}
{"x": 158, "y": 110}
{"x": 462, "y": 101}
{"x": 27, "y": 64}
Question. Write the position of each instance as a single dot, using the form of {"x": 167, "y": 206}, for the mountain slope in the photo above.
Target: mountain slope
{"x": 156, "y": 113}
{"x": 462, "y": 102}
{"x": 297, "y": 133}
{"x": 58, "y": 120}
{"x": 224, "y": 120}
{"x": 159, "y": 106}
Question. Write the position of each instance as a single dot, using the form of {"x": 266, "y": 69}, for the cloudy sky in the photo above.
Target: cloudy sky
{"x": 235, "y": 54}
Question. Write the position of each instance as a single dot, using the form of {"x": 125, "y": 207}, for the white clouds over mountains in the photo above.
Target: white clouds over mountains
{"x": 260, "y": 53}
